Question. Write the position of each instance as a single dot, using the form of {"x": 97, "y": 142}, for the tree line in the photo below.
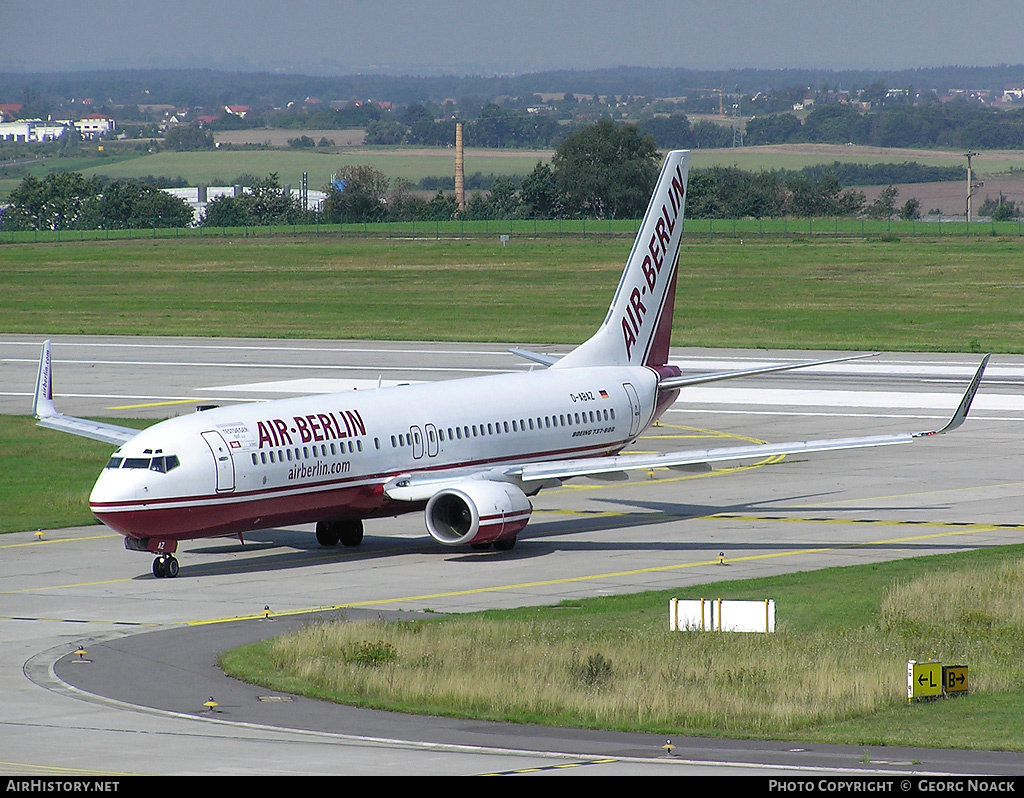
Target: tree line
{"x": 933, "y": 124}
{"x": 602, "y": 171}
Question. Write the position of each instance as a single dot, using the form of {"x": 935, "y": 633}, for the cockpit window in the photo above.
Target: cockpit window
{"x": 162, "y": 464}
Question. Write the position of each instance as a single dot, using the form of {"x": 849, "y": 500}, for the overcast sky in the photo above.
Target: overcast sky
{"x": 496, "y": 36}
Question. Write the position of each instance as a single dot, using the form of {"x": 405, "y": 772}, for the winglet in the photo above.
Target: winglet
{"x": 42, "y": 404}
{"x": 965, "y": 404}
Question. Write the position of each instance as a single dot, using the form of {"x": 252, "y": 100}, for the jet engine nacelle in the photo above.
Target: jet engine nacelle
{"x": 477, "y": 511}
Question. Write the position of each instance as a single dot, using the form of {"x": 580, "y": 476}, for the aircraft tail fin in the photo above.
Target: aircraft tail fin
{"x": 638, "y": 326}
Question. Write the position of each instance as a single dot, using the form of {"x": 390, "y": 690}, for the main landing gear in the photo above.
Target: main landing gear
{"x": 503, "y": 544}
{"x": 347, "y": 533}
{"x": 165, "y": 566}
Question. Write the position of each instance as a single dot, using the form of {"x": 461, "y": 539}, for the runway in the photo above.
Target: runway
{"x": 152, "y": 643}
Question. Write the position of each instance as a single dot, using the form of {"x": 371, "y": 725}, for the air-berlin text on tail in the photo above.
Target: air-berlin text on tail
{"x": 314, "y": 427}
{"x": 657, "y": 247}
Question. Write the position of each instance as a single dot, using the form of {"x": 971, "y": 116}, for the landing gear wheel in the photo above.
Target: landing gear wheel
{"x": 327, "y": 533}
{"x": 506, "y": 544}
{"x": 331, "y": 533}
{"x": 350, "y": 532}
{"x": 165, "y": 567}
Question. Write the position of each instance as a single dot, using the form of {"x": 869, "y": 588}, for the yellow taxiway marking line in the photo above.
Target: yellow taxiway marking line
{"x": 44, "y": 541}
{"x": 543, "y": 768}
{"x": 609, "y": 575}
{"x": 54, "y": 770}
{"x": 155, "y": 404}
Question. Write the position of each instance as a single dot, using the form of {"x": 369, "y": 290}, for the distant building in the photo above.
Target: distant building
{"x": 237, "y": 110}
{"x": 32, "y": 130}
{"x": 198, "y": 197}
{"x": 95, "y": 126}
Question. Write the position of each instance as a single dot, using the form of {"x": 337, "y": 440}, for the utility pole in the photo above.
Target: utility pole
{"x": 970, "y": 182}
{"x": 460, "y": 171}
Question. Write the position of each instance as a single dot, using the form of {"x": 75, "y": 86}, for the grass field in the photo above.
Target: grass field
{"x": 48, "y": 476}
{"x": 834, "y": 671}
{"x": 906, "y": 295}
{"x": 220, "y": 167}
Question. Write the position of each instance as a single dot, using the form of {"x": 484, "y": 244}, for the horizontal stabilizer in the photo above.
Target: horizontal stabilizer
{"x": 536, "y": 357}
{"x": 670, "y": 383}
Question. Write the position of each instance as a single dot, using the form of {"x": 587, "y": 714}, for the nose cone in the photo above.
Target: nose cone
{"x": 115, "y": 490}
{"x": 113, "y": 486}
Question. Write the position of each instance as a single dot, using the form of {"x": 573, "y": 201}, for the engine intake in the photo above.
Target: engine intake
{"x": 477, "y": 511}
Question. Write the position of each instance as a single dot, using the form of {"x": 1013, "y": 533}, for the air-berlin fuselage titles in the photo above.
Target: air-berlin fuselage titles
{"x": 312, "y": 427}
{"x": 467, "y": 452}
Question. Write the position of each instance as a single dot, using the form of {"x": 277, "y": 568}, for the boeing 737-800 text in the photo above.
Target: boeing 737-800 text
{"x": 468, "y": 452}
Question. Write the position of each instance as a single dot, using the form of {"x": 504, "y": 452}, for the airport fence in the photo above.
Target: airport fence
{"x": 694, "y": 229}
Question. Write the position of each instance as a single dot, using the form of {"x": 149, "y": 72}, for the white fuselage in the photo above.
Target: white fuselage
{"x": 327, "y": 457}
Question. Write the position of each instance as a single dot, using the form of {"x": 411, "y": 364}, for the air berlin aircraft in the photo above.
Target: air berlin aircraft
{"x": 468, "y": 452}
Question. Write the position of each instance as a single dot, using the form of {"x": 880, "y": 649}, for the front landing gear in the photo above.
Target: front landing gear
{"x": 165, "y": 566}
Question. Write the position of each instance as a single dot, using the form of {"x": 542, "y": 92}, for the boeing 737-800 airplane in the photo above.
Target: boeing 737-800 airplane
{"x": 469, "y": 452}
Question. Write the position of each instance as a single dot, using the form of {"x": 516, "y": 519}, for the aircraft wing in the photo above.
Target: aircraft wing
{"x": 413, "y": 487}
{"x": 47, "y": 415}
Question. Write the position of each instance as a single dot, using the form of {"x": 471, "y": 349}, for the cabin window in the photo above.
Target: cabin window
{"x": 359, "y": 445}
{"x": 254, "y": 459}
{"x": 505, "y": 424}
{"x": 263, "y": 457}
{"x": 376, "y": 443}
